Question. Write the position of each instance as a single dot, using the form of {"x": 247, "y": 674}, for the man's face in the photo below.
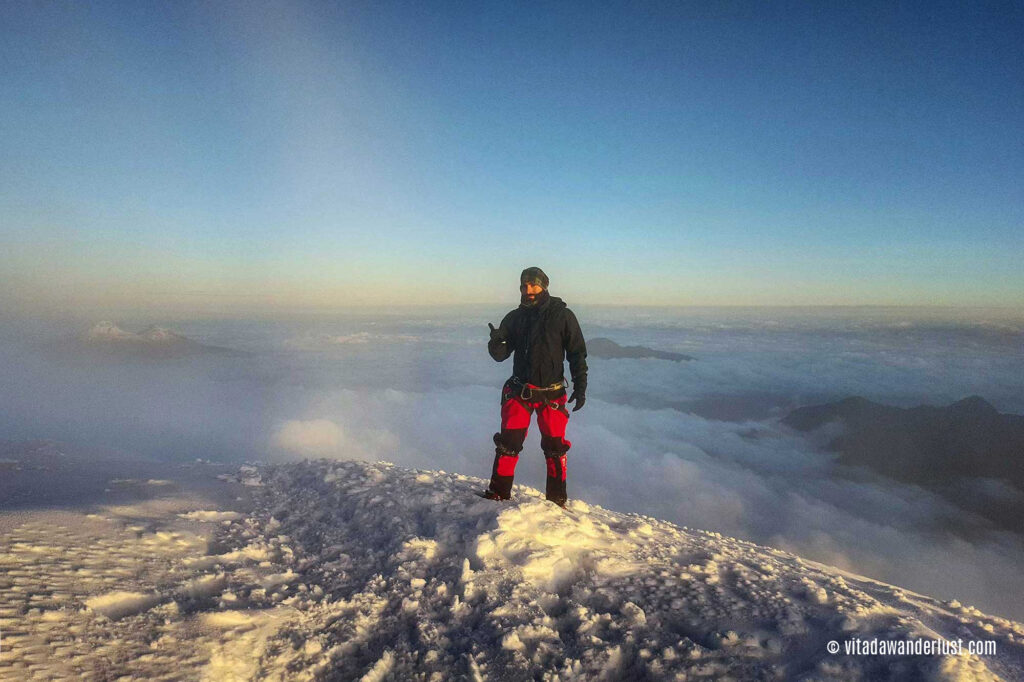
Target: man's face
{"x": 530, "y": 290}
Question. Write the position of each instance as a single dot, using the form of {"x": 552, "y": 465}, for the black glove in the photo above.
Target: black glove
{"x": 579, "y": 397}
{"x": 496, "y": 334}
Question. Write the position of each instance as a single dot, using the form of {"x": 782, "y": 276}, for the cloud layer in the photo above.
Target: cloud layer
{"x": 422, "y": 392}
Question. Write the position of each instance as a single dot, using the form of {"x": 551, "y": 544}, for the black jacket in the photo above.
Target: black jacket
{"x": 542, "y": 336}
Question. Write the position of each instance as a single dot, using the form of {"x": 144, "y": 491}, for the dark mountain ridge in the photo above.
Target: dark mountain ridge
{"x": 601, "y": 347}
{"x": 968, "y": 451}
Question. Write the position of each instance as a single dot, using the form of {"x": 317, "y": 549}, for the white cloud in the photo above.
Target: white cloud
{"x": 326, "y": 438}
{"x": 314, "y": 342}
{"x": 313, "y": 438}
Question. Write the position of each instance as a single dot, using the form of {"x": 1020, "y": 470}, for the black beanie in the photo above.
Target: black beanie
{"x": 534, "y": 276}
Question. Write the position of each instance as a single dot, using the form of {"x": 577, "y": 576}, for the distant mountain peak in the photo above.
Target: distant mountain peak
{"x": 106, "y": 329}
{"x": 944, "y": 448}
{"x": 108, "y": 338}
{"x": 601, "y": 347}
{"x": 855, "y": 401}
{"x": 974, "y": 403}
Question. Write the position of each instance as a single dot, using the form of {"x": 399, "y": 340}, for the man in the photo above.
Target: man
{"x": 541, "y": 332}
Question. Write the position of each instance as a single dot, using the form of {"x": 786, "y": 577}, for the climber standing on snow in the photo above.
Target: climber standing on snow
{"x": 541, "y": 332}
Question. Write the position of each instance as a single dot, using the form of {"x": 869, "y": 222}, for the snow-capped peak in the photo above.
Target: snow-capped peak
{"x": 107, "y": 330}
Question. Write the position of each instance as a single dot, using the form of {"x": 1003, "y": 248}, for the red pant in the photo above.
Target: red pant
{"x": 552, "y": 418}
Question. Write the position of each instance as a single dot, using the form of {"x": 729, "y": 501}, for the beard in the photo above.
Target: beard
{"x": 531, "y": 300}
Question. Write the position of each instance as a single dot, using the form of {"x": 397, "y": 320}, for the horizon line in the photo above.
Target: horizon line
{"x": 114, "y": 312}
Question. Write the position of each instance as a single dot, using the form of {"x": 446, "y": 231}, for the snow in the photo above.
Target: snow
{"x": 116, "y": 605}
{"x": 132, "y": 481}
{"x": 106, "y": 331}
{"x": 211, "y": 516}
{"x": 356, "y": 570}
{"x": 551, "y": 547}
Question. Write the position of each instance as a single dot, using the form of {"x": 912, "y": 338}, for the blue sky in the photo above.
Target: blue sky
{"x": 312, "y": 155}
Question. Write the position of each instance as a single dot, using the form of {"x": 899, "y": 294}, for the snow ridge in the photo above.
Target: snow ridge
{"x": 404, "y": 574}
{"x": 355, "y": 570}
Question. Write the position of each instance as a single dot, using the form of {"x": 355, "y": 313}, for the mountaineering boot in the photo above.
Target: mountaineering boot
{"x": 491, "y": 495}
{"x": 555, "y": 485}
{"x": 504, "y": 469}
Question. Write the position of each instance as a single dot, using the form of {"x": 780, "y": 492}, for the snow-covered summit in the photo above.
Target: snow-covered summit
{"x": 352, "y": 570}
{"x": 109, "y": 331}
{"x": 153, "y": 342}
{"x": 408, "y": 575}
